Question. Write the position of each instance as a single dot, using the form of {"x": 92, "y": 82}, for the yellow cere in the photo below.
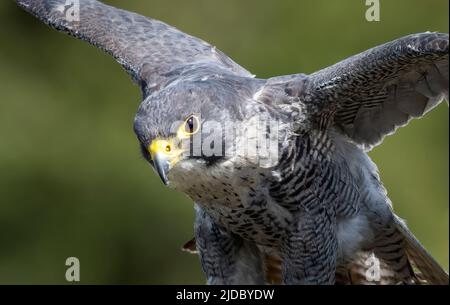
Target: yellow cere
{"x": 158, "y": 146}
{"x": 167, "y": 148}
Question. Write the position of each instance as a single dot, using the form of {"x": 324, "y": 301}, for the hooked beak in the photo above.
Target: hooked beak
{"x": 164, "y": 155}
{"x": 162, "y": 165}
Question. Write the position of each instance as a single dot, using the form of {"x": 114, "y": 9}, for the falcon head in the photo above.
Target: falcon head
{"x": 189, "y": 132}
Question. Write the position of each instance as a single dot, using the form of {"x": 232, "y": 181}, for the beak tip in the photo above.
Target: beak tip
{"x": 165, "y": 181}
{"x": 161, "y": 166}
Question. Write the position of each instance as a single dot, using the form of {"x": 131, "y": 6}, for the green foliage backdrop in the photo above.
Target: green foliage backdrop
{"x": 72, "y": 182}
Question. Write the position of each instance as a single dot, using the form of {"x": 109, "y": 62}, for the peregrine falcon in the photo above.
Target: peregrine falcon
{"x": 309, "y": 208}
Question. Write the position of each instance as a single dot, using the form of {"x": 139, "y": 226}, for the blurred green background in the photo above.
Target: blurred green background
{"x": 72, "y": 182}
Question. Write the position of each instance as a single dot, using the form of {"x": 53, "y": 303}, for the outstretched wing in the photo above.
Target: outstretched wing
{"x": 148, "y": 49}
{"x": 370, "y": 95}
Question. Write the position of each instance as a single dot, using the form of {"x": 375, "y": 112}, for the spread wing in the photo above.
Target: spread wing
{"x": 370, "y": 95}
{"x": 148, "y": 49}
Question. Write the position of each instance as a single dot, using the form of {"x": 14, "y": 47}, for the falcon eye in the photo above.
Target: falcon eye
{"x": 168, "y": 148}
{"x": 191, "y": 125}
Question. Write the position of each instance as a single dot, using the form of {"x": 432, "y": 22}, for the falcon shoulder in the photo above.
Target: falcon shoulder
{"x": 148, "y": 49}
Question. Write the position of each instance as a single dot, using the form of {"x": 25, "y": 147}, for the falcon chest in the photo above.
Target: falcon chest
{"x": 240, "y": 203}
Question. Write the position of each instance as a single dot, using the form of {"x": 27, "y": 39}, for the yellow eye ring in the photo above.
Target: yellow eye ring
{"x": 191, "y": 125}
